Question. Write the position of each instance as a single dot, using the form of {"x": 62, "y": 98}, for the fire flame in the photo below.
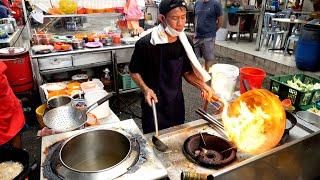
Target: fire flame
{"x": 255, "y": 121}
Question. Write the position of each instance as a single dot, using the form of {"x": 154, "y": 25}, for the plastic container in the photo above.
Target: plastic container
{"x": 308, "y": 61}
{"x": 224, "y": 79}
{"x": 101, "y": 111}
{"x": 298, "y": 98}
{"x": 126, "y": 82}
{"x": 91, "y": 86}
{"x": 254, "y": 77}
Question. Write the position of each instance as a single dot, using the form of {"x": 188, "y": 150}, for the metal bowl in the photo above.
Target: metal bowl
{"x": 78, "y": 44}
{"x": 58, "y": 101}
{"x": 99, "y": 154}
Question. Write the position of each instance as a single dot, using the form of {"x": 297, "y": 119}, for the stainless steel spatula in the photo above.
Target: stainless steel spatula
{"x": 155, "y": 140}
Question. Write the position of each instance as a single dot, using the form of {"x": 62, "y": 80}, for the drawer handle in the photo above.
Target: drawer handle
{"x": 55, "y": 61}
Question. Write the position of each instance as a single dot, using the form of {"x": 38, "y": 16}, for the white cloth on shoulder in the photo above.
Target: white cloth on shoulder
{"x": 159, "y": 36}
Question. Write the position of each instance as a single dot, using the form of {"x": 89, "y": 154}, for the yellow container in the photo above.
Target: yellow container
{"x": 39, "y": 113}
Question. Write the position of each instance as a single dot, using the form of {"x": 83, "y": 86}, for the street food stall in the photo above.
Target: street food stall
{"x": 79, "y": 55}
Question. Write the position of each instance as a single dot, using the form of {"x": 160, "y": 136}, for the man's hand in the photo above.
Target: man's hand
{"x": 148, "y": 95}
{"x": 206, "y": 92}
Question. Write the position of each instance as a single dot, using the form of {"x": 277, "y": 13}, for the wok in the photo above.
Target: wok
{"x": 16, "y": 155}
{"x": 290, "y": 122}
{"x": 98, "y": 154}
{"x": 68, "y": 118}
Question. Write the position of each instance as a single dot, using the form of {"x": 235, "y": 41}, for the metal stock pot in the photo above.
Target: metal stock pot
{"x": 99, "y": 154}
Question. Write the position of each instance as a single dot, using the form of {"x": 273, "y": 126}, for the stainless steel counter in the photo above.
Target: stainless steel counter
{"x": 175, "y": 161}
{"x": 147, "y": 167}
{"x": 12, "y": 39}
{"x": 85, "y": 50}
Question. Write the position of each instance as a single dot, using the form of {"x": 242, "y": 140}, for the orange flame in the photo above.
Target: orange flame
{"x": 254, "y": 122}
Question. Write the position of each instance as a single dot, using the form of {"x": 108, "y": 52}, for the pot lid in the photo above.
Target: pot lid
{"x": 12, "y": 51}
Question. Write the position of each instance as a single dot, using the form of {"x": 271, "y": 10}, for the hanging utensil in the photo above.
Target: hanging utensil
{"x": 155, "y": 140}
{"x": 68, "y": 118}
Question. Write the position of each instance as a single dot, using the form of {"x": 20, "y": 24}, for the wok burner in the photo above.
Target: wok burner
{"x": 216, "y": 152}
{"x": 52, "y": 163}
{"x": 145, "y": 160}
{"x": 53, "y": 168}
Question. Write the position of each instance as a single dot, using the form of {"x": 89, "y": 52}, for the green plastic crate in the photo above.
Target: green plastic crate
{"x": 126, "y": 82}
{"x": 298, "y": 98}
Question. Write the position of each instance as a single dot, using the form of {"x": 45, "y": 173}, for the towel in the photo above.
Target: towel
{"x": 158, "y": 36}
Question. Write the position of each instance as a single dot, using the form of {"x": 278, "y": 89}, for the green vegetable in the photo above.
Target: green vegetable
{"x": 296, "y": 83}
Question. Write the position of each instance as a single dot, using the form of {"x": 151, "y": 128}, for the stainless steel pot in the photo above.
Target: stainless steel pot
{"x": 78, "y": 44}
{"x": 9, "y": 20}
{"x": 8, "y": 28}
{"x": 58, "y": 101}
{"x": 107, "y": 41}
{"x": 98, "y": 154}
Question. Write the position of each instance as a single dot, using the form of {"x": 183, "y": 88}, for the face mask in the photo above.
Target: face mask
{"x": 172, "y": 32}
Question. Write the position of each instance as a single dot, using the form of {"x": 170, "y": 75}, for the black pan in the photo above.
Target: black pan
{"x": 16, "y": 155}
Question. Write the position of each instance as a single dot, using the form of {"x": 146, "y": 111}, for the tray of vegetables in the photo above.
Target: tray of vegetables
{"x": 301, "y": 89}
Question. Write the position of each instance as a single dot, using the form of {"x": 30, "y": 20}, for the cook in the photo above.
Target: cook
{"x": 11, "y": 113}
{"x": 159, "y": 62}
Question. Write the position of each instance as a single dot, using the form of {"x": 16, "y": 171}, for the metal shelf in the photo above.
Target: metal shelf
{"x": 107, "y": 15}
{"x": 53, "y": 71}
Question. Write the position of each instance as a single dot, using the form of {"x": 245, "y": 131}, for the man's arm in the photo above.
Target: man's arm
{"x": 148, "y": 93}
{"x": 219, "y": 22}
{"x": 206, "y": 91}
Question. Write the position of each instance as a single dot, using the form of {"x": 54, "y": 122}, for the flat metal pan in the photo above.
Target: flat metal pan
{"x": 309, "y": 117}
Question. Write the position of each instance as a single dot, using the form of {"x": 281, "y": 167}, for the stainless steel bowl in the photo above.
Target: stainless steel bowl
{"x": 99, "y": 154}
{"x": 57, "y": 101}
{"x": 106, "y": 41}
{"x": 78, "y": 44}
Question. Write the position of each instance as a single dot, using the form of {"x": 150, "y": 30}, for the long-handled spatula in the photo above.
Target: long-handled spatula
{"x": 156, "y": 141}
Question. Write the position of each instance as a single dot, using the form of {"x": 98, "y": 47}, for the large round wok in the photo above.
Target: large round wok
{"x": 99, "y": 154}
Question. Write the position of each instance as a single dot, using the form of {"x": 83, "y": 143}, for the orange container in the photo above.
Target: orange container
{"x": 109, "y": 10}
{"x": 254, "y": 77}
{"x": 98, "y": 10}
{"x": 116, "y": 39}
{"x": 89, "y": 11}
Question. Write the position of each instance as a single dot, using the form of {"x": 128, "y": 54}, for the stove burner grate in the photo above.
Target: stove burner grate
{"x": 216, "y": 152}
{"x": 52, "y": 162}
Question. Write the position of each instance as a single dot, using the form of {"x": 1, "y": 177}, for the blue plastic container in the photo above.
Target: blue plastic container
{"x": 308, "y": 55}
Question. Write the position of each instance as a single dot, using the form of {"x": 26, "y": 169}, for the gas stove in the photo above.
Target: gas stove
{"x": 176, "y": 161}
{"x": 147, "y": 165}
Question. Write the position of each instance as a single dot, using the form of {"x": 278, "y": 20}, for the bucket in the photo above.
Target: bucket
{"x": 101, "y": 111}
{"x": 224, "y": 79}
{"x": 254, "y": 76}
{"x": 18, "y": 71}
{"x": 40, "y": 113}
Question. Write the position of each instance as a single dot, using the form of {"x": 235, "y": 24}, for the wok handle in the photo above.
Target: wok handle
{"x": 292, "y": 119}
{"x": 99, "y": 102}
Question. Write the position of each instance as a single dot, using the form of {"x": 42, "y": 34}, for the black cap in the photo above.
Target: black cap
{"x": 167, "y": 5}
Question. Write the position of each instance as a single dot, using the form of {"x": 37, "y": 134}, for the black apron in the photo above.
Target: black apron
{"x": 170, "y": 106}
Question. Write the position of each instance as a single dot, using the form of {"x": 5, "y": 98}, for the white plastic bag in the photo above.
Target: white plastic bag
{"x": 221, "y": 34}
